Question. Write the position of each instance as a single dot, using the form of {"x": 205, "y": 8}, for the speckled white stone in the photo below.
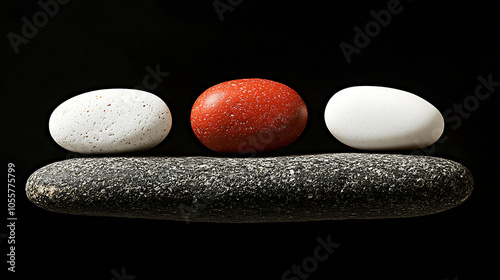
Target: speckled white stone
{"x": 381, "y": 118}
{"x": 110, "y": 121}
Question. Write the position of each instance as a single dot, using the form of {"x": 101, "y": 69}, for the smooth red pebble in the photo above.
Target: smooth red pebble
{"x": 248, "y": 116}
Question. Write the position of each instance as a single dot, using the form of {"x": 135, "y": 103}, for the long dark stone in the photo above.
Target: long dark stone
{"x": 247, "y": 190}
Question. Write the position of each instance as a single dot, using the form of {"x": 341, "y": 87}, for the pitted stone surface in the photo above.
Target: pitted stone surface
{"x": 247, "y": 190}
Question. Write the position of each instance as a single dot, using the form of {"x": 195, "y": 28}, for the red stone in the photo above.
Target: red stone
{"x": 248, "y": 116}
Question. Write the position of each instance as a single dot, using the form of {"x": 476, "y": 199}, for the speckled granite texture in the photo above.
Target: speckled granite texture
{"x": 248, "y": 190}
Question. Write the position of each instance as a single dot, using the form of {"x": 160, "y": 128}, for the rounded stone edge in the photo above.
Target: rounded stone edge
{"x": 463, "y": 180}
{"x": 130, "y": 150}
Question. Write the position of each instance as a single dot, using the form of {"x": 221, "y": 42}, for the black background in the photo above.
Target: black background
{"x": 435, "y": 50}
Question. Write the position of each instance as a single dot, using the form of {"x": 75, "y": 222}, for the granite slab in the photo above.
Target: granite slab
{"x": 252, "y": 190}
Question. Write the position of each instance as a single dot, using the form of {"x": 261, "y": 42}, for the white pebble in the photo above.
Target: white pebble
{"x": 381, "y": 118}
{"x": 110, "y": 121}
